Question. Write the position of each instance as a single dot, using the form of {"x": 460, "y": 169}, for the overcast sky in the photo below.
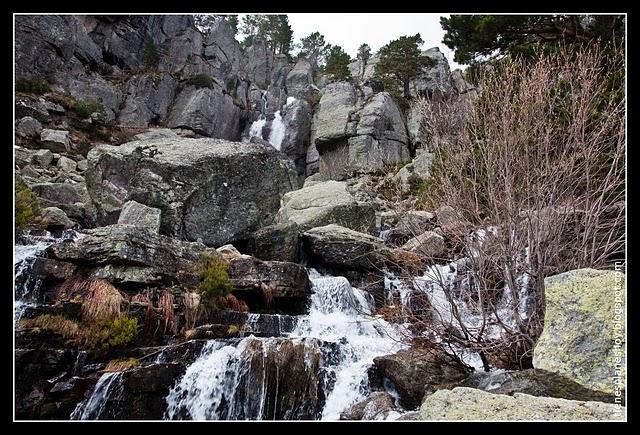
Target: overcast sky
{"x": 351, "y": 30}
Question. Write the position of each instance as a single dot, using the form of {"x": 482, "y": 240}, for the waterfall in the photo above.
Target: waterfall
{"x": 92, "y": 408}
{"x": 277, "y": 126}
{"x": 29, "y": 247}
{"x": 327, "y": 355}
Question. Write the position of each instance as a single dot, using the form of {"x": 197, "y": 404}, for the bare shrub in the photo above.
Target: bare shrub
{"x": 191, "y": 309}
{"x": 165, "y": 303}
{"x": 539, "y": 157}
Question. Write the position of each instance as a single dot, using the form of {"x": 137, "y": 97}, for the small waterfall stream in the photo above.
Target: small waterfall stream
{"x": 337, "y": 342}
{"x": 277, "y": 127}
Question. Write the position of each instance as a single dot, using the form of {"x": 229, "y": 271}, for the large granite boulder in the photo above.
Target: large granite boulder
{"x": 206, "y": 189}
{"x": 134, "y": 213}
{"x": 267, "y": 284}
{"x": 133, "y": 255}
{"x": 337, "y": 103}
{"x": 433, "y": 80}
{"x": 340, "y": 247}
{"x": 472, "y": 404}
{"x": 326, "y": 203}
{"x": 416, "y": 372}
{"x": 583, "y": 336}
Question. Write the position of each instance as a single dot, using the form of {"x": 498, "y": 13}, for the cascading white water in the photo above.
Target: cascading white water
{"x": 24, "y": 254}
{"x": 92, "y": 407}
{"x": 277, "y": 126}
{"x": 339, "y": 315}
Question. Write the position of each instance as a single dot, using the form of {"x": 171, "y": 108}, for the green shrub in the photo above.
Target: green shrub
{"x": 215, "y": 283}
{"x": 27, "y": 207}
{"x": 201, "y": 81}
{"x": 84, "y": 109}
{"x": 107, "y": 334}
{"x": 151, "y": 55}
{"x": 32, "y": 85}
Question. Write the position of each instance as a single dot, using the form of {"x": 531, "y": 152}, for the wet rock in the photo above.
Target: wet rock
{"x": 535, "y": 382}
{"x": 581, "y": 338}
{"x": 130, "y": 254}
{"x": 278, "y": 242}
{"x": 134, "y": 213}
{"x": 415, "y": 372}
{"x": 472, "y": 404}
{"x": 376, "y": 407}
{"x": 48, "y": 267}
{"x": 326, "y": 203}
{"x": 52, "y": 218}
{"x": 28, "y": 127}
{"x": 336, "y": 246}
{"x": 205, "y": 188}
{"x": 258, "y": 324}
{"x": 267, "y": 284}
{"x": 56, "y": 140}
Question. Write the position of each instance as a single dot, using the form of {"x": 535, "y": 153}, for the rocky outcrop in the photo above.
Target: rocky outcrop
{"x": 206, "y": 189}
{"x": 354, "y": 135}
{"x": 326, "y": 203}
{"x": 433, "y": 81}
{"x": 583, "y": 336}
{"x": 126, "y": 254}
{"x": 300, "y": 80}
{"x": 416, "y": 372}
{"x": 535, "y": 382}
{"x": 52, "y": 218}
{"x": 471, "y": 404}
{"x": 267, "y": 284}
{"x": 429, "y": 244}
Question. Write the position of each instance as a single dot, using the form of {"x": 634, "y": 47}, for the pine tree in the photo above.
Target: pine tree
{"x": 314, "y": 48}
{"x": 338, "y": 64}
{"x": 401, "y": 61}
{"x": 364, "y": 54}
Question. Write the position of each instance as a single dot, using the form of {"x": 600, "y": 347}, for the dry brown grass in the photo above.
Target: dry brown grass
{"x": 230, "y": 302}
{"x": 191, "y": 309}
{"x": 100, "y": 299}
{"x": 120, "y": 364}
{"x": 165, "y": 303}
{"x": 53, "y": 323}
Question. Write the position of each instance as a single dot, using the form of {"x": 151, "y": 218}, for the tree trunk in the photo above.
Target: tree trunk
{"x": 406, "y": 90}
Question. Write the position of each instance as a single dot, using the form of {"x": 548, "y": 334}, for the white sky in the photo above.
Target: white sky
{"x": 349, "y": 30}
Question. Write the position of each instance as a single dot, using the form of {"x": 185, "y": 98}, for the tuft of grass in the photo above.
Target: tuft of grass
{"x": 120, "y": 364}
{"x": 201, "y": 81}
{"x": 32, "y": 85}
{"x": 53, "y": 323}
{"x": 27, "y": 207}
{"x": 151, "y": 57}
{"x": 100, "y": 299}
{"x": 84, "y": 109}
{"x": 215, "y": 283}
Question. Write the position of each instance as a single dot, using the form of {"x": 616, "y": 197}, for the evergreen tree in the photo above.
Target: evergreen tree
{"x": 338, "y": 64}
{"x": 401, "y": 61}
{"x": 314, "y": 48}
{"x": 478, "y": 37}
{"x": 364, "y": 54}
{"x": 275, "y": 30}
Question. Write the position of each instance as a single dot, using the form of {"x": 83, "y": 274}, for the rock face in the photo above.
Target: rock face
{"x": 355, "y": 135}
{"x": 471, "y": 404}
{"x": 132, "y": 255}
{"x": 415, "y": 373}
{"x": 134, "y": 213}
{"x": 583, "y": 334}
{"x": 535, "y": 382}
{"x": 433, "y": 81}
{"x": 206, "y": 189}
{"x": 263, "y": 283}
{"x": 326, "y": 203}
